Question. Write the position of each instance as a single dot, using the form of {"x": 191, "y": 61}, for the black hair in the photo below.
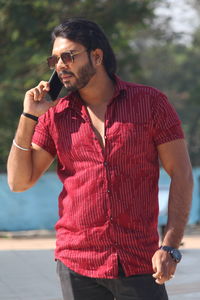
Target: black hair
{"x": 91, "y": 36}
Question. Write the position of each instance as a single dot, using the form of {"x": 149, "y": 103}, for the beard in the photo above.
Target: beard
{"x": 82, "y": 78}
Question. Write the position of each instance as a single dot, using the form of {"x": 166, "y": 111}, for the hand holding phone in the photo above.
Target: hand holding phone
{"x": 55, "y": 87}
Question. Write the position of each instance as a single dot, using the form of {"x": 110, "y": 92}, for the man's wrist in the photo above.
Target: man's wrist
{"x": 30, "y": 116}
{"x": 175, "y": 253}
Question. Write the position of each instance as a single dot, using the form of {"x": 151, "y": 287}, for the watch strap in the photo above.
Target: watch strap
{"x": 167, "y": 248}
{"x": 175, "y": 253}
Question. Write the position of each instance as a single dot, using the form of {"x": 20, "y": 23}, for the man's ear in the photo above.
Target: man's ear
{"x": 97, "y": 55}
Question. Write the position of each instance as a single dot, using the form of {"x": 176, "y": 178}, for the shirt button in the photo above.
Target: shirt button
{"x": 105, "y": 163}
{"x": 108, "y": 191}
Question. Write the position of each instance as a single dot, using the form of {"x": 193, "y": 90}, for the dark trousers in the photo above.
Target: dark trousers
{"x": 137, "y": 287}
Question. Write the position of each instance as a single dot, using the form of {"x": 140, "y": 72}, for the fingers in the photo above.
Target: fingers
{"x": 158, "y": 275}
{"x": 163, "y": 266}
{"x": 41, "y": 90}
{"x": 161, "y": 278}
{"x": 35, "y": 102}
{"x": 38, "y": 93}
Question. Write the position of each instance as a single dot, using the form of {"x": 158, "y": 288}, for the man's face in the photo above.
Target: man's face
{"x": 77, "y": 74}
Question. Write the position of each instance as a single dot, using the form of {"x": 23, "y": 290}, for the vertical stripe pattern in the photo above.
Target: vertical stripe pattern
{"x": 108, "y": 207}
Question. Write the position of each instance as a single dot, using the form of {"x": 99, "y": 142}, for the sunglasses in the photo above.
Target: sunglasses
{"x": 67, "y": 57}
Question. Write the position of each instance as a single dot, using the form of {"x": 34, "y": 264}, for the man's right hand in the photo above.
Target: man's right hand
{"x": 25, "y": 167}
{"x": 35, "y": 102}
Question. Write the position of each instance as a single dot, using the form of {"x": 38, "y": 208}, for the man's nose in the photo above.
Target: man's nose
{"x": 60, "y": 64}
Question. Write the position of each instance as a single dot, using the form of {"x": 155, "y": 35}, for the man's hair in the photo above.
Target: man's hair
{"x": 91, "y": 36}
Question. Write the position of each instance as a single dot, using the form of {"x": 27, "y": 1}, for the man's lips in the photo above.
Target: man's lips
{"x": 65, "y": 75}
{"x": 66, "y": 79}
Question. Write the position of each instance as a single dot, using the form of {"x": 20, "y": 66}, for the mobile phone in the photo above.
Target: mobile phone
{"x": 55, "y": 87}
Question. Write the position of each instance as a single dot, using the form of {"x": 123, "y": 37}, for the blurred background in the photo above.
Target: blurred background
{"x": 156, "y": 42}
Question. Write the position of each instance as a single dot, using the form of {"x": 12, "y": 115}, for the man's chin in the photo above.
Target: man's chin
{"x": 69, "y": 87}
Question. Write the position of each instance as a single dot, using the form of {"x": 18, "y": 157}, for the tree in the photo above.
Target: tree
{"x": 25, "y": 27}
{"x": 173, "y": 68}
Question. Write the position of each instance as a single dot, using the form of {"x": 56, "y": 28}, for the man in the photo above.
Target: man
{"x": 108, "y": 136}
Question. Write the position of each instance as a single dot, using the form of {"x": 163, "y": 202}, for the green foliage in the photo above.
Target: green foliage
{"x": 25, "y": 30}
{"x": 174, "y": 68}
{"x": 146, "y": 53}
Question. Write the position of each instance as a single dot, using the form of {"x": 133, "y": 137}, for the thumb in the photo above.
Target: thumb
{"x": 157, "y": 268}
{"x": 154, "y": 263}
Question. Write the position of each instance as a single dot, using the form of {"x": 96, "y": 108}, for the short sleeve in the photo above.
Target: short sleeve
{"x": 167, "y": 125}
{"x": 42, "y": 136}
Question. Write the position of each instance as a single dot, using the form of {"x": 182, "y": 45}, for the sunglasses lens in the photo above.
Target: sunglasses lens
{"x": 52, "y": 61}
{"x": 66, "y": 57}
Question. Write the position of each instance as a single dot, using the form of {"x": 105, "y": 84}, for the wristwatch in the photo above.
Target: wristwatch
{"x": 175, "y": 253}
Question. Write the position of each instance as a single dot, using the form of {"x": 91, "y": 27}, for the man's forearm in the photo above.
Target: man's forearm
{"x": 180, "y": 198}
{"x": 20, "y": 161}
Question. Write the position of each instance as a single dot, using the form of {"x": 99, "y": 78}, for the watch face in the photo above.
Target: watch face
{"x": 176, "y": 255}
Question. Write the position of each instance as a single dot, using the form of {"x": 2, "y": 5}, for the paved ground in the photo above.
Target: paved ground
{"x": 28, "y": 270}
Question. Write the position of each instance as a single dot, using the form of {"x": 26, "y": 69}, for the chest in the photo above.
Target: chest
{"x": 95, "y": 136}
{"x": 97, "y": 122}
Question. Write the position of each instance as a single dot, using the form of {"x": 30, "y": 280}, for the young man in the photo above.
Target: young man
{"x": 108, "y": 136}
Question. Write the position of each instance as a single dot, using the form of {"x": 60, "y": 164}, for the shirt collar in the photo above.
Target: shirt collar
{"x": 120, "y": 88}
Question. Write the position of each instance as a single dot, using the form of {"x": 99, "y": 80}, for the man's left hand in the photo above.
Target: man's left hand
{"x": 164, "y": 266}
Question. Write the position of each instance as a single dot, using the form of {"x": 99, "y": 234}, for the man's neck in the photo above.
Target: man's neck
{"x": 99, "y": 90}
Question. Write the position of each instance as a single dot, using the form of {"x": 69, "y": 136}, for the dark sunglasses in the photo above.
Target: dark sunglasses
{"x": 67, "y": 57}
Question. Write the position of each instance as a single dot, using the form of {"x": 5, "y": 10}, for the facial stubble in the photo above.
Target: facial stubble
{"x": 83, "y": 77}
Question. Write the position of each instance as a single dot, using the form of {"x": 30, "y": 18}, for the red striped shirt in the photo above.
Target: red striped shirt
{"x": 108, "y": 207}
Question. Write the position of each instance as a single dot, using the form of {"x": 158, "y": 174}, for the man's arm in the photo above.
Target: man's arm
{"x": 175, "y": 160}
{"x": 25, "y": 167}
